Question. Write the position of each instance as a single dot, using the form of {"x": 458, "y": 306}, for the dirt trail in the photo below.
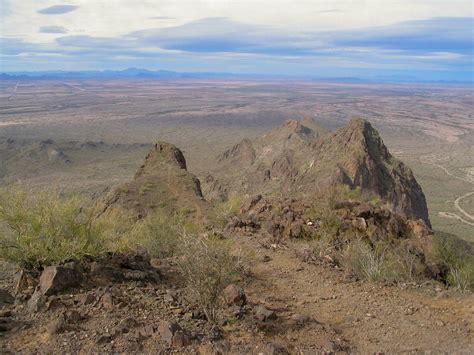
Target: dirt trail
{"x": 460, "y": 209}
{"x": 459, "y": 199}
{"x": 369, "y": 317}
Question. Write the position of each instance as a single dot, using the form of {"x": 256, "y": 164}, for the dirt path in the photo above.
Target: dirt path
{"x": 369, "y": 317}
{"x": 458, "y": 200}
{"x": 460, "y": 209}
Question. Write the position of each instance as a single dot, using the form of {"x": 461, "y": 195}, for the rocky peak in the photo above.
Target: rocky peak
{"x": 360, "y": 134}
{"x": 300, "y": 161}
{"x": 162, "y": 154}
{"x": 162, "y": 182}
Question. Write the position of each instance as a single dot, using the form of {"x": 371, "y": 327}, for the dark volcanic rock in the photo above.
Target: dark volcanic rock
{"x": 55, "y": 279}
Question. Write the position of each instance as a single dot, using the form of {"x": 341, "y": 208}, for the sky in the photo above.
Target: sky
{"x": 399, "y": 39}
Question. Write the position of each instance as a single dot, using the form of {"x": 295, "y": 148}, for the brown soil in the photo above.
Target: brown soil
{"x": 344, "y": 315}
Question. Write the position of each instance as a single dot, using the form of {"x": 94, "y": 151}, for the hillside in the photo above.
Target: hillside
{"x": 295, "y": 160}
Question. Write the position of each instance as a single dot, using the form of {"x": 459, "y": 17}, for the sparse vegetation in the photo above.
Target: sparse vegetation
{"x": 228, "y": 208}
{"x": 457, "y": 261}
{"x": 208, "y": 267}
{"x": 42, "y": 228}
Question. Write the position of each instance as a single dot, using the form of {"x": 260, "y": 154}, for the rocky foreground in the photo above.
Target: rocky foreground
{"x": 289, "y": 304}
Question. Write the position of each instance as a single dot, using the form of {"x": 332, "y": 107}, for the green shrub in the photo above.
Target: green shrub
{"x": 364, "y": 262}
{"x": 456, "y": 259}
{"x": 207, "y": 266}
{"x": 157, "y": 234}
{"x": 39, "y": 229}
{"x": 228, "y": 208}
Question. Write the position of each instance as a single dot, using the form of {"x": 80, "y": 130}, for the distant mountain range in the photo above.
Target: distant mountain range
{"x": 167, "y": 74}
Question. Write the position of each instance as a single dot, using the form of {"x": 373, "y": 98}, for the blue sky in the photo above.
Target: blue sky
{"x": 407, "y": 39}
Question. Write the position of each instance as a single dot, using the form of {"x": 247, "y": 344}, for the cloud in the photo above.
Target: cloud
{"x": 58, "y": 9}
{"x": 162, "y": 18}
{"x": 450, "y": 34}
{"x": 438, "y": 45}
{"x": 52, "y": 29}
{"x": 330, "y": 11}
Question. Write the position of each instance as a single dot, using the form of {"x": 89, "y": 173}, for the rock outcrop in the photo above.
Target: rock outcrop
{"x": 300, "y": 160}
{"x": 162, "y": 182}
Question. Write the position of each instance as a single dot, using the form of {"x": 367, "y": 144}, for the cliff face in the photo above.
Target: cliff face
{"x": 295, "y": 160}
{"x": 162, "y": 182}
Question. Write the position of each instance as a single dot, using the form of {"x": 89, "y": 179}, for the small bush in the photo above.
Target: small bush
{"x": 157, "y": 234}
{"x": 461, "y": 276}
{"x": 228, "y": 208}
{"x": 364, "y": 262}
{"x": 40, "y": 229}
{"x": 456, "y": 259}
{"x": 207, "y": 266}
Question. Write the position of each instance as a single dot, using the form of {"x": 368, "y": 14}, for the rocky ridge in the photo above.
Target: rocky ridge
{"x": 296, "y": 161}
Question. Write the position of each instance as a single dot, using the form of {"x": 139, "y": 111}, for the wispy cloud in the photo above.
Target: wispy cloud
{"x": 58, "y": 9}
{"x": 437, "y": 45}
{"x": 52, "y": 29}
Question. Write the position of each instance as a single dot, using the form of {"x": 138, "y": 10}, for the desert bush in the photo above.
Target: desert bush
{"x": 42, "y": 228}
{"x": 461, "y": 275}
{"x": 364, "y": 262}
{"x": 456, "y": 259}
{"x": 157, "y": 234}
{"x": 344, "y": 193}
{"x": 228, "y": 208}
{"x": 207, "y": 266}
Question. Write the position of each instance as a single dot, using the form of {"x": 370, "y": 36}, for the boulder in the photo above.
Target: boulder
{"x": 167, "y": 330}
{"x": 55, "y": 279}
{"x": 264, "y": 314}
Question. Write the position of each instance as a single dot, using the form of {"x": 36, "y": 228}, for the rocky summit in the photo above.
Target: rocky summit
{"x": 301, "y": 160}
{"x": 162, "y": 182}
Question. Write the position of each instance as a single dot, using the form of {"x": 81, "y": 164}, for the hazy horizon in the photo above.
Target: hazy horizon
{"x": 419, "y": 40}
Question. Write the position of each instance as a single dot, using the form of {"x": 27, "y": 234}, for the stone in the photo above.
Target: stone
{"x": 264, "y": 314}
{"x": 56, "y": 326}
{"x": 235, "y": 295}
{"x": 170, "y": 297}
{"x": 87, "y": 299}
{"x": 300, "y": 318}
{"x": 146, "y": 331}
{"x": 126, "y": 325}
{"x": 180, "y": 339}
{"x": 5, "y": 298}
{"x": 73, "y": 316}
{"x": 359, "y": 223}
{"x": 166, "y": 330}
{"x": 20, "y": 279}
{"x": 55, "y": 279}
{"x": 37, "y": 302}
{"x": 107, "y": 301}
{"x": 5, "y": 314}
{"x": 103, "y": 339}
